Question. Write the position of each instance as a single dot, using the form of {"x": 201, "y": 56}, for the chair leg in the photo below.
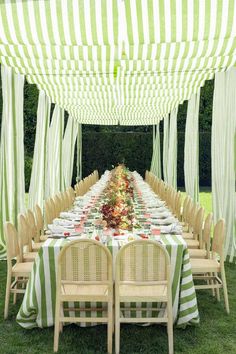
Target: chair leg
{"x": 225, "y": 291}
{"x": 15, "y": 294}
{"x": 117, "y": 329}
{"x": 217, "y": 291}
{"x": 57, "y": 325}
{"x": 7, "y": 297}
{"x": 212, "y": 282}
{"x": 109, "y": 327}
{"x": 170, "y": 329}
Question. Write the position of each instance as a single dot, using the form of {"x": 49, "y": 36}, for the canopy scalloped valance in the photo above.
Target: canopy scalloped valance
{"x": 113, "y": 61}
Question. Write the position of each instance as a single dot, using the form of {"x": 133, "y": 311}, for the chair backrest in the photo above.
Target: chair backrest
{"x": 53, "y": 208}
{"x": 72, "y": 193}
{"x": 142, "y": 261}
{"x": 85, "y": 261}
{"x": 58, "y": 204}
{"x": 206, "y": 233}
{"x": 48, "y": 212}
{"x": 24, "y": 234}
{"x": 198, "y": 222}
{"x": 39, "y": 220}
{"x": 189, "y": 212}
{"x": 178, "y": 204}
{"x": 32, "y": 224}
{"x": 12, "y": 244}
{"x": 186, "y": 206}
{"x": 219, "y": 238}
{"x": 69, "y": 199}
{"x": 64, "y": 201}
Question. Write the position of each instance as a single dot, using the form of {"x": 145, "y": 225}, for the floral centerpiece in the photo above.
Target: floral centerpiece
{"x": 118, "y": 211}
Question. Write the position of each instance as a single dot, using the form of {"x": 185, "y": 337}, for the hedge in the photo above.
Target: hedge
{"x": 102, "y": 150}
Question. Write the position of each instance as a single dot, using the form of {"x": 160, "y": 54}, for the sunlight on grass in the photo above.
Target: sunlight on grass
{"x": 26, "y": 200}
{"x": 205, "y": 199}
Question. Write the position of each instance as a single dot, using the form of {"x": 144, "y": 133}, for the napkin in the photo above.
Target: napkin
{"x": 63, "y": 222}
{"x": 166, "y": 221}
{"x": 160, "y": 215}
{"x": 67, "y": 215}
{"x": 171, "y": 229}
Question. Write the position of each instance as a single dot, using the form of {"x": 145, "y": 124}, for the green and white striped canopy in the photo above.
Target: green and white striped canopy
{"x": 113, "y": 61}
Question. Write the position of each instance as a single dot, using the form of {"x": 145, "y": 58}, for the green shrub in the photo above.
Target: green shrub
{"x": 28, "y": 168}
{"x": 102, "y": 150}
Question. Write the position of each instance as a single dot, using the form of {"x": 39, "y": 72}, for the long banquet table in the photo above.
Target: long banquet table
{"x": 38, "y": 306}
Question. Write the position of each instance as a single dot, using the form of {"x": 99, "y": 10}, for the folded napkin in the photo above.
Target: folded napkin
{"x": 63, "y": 222}
{"x": 175, "y": 229}
{"x": 160, "y": 215}
{"x": 68, "y": 215}
{"x": 56, "y": 229}
{"x": 166, "y": 221}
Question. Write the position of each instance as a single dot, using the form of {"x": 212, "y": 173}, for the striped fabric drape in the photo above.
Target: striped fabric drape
{"x": 165, "y": 153}
{"x": 223, "y": 172}
{"x": 54, "y": 164}
{"x": 172, "y": 150}
{"x": 12, "y": 180}
{"x": 191, "y": 149}
{"x": 110, "y": 61}
{"x": 39, "y": 167}
{"x": 68, "y": 150}
{"x": 79, "y": 153}
{"x": 156, "y": 154}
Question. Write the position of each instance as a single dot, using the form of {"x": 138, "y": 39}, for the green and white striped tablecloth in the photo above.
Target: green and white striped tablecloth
{"x": 38, "y": 306}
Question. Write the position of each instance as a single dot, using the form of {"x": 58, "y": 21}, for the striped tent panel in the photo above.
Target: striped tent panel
{"x": 12, "y": 179}
{"x": 133, "y": 58}
{"x": 64, "y": 52}
{"x": 69, "y": 56}
{"x": 83, "y": 22}
{"x": 165, "y": 21}
{"x": 109, "y": 82}
{"x": 154, "y": 51}
{"x": 75, "y": 67}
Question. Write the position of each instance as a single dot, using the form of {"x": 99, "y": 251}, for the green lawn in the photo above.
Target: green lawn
{"x": 214, "y": 335}
{"x": 205, "y": 199}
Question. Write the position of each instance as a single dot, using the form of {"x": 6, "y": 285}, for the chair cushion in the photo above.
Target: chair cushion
{"x": 187, "y": 235}
{"x": 192, "y": 243}
{"x": 90, "y": 292}
{"x": 22, "y": 269}
{"x": 30, "y": 256}
{"x": 204, "y": 265}
{"x": 197, "y": 253}
{"x": 36, "y": 246}
{"x": 143, "y": 292}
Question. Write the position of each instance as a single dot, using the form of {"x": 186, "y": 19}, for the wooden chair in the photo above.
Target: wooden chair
{"x": 58, "y": 205}
{"x": 39, "y": 223}
{"x": 191, "y": 220}
{"x": 143, "y": 275}
{"x": 178, "y": 205}
{"x": 196, "y": 242}
{"x": 72, "y": 194}
{"x": 211, "y": 270}
{"x": 53, "y": 208}
{"x": 33, "y": 232}
{"x": 184, "y": 213}
{"x": 20, "y": 271}
{"x": 24, "y": 239}
{"x": 84, "y": 274}
{"x": 69, "y": 199}
{"x": 203, "y": 252}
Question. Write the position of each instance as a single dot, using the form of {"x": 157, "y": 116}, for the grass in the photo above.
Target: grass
{"x": 214, "y": 335}
{"x": 205, "y": 198}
